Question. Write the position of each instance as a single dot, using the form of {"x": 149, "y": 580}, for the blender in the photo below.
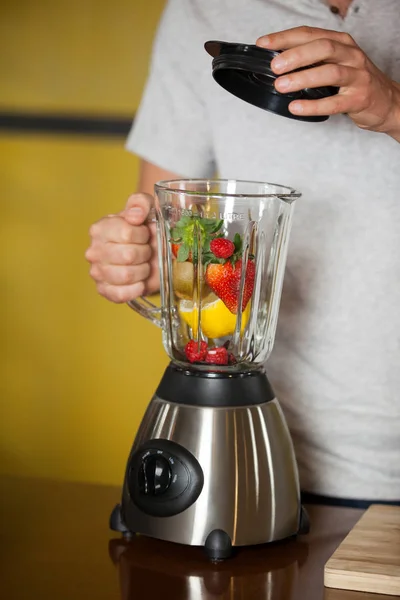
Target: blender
{"x": 213, "y": 463}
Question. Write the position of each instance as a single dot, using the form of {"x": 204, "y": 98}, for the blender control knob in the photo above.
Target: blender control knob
{"x": 154, "y": 475}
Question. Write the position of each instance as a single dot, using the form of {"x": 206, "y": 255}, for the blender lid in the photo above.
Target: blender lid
{"x": 245, "y": 71}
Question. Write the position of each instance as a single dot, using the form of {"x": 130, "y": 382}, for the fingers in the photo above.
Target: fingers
{"x": 329, "y": 74}
{"x": 137, "y": 208}
{"x": 115, "y": 228}
{"x": 334, "y": 105}
{"x": 338, "y": 62}
{"x": 284, "y": 40}
{"x": 122, "y": 251}
{"x": 318, "y": 51}
{"x": 126, "y": 275}
{"x": 112, "y": 253}
{"x": 121, "y": 293}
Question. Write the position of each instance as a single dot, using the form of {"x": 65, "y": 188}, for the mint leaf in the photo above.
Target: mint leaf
{"x": 176, "y": 233}
{"x": 217, "y": 226}
{"x": 179, "y": 231}
{"x": 210, "y": 258}
{"x": 210, "y": 225}
{"x": 183, "y": 253}
{"x": 237, "y": 241}
{"x": 183, "y": 222}
{"x": 207, "y": 256}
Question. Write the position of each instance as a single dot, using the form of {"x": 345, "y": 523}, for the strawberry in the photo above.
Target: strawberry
{"x": 224, "y": 280}
{"x": 231, "y": 358}
{"x": 175, "y": 248}
{"x": 195, "y": 352}
{"x": 217, "y": 356}
{"x": 222, "y": 248}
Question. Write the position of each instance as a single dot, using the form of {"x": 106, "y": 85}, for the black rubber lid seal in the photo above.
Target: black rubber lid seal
{"x": 197, "y": 388}
{"x": 245, "y": 71}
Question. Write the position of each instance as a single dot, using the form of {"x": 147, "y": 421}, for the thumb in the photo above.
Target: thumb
{"x": 137, "y": 208}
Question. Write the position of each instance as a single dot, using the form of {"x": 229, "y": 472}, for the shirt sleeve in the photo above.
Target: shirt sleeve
{"x": 171, "y": 128}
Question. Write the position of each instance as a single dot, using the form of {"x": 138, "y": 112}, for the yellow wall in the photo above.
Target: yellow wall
{"x": 77, "y": 371}
{"x": 76, "y": 55}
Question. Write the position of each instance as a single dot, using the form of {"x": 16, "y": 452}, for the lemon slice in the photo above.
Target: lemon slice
{"x": 217, "y": 321}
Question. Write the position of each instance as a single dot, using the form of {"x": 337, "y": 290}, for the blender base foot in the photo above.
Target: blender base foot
{"x": 218, "y": 545}
{"x": 117, "y": 524}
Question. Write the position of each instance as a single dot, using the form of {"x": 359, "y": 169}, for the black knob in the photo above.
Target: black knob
{"x": 154, "y": 475}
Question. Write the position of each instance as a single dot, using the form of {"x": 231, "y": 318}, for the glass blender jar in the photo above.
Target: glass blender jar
{"x": 213, "y": 462}
{"x": 222, "y": 254}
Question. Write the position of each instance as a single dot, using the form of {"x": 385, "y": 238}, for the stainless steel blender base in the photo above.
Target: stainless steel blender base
{"x": 250, "y": 486}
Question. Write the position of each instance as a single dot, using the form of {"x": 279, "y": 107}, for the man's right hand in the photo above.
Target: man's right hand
{"x": 123, "y": 252}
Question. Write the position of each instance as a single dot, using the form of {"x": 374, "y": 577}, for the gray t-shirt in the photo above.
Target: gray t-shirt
{"x": 336, "y": 360}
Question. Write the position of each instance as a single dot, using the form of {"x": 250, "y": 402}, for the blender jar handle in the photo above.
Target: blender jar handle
{"x": 146, "y": 309}
{"x": 141, "y": 305}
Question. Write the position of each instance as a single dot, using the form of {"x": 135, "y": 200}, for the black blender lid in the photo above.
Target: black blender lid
{"x": 244, "y": 70}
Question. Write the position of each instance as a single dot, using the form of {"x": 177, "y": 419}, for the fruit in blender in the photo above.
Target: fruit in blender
{"x": 199, "y": 240}
{"x": 224, "y": 280}
{"x": 217, "y": 356}
{"x": 183, "y": 280}
{"x": 191, "y": 234}
{"x": 196, "y": 351}
{"x": 224, "y": 272}
{"x": 222, "y": 247}
{"x": 217, "y": 320}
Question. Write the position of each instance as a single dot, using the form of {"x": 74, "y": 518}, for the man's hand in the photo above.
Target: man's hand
{"x": 366, "y": 95}
{"x": 123, "y": 252}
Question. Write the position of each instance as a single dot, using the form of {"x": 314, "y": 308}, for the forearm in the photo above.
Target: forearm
{"x": 149, "y": 174}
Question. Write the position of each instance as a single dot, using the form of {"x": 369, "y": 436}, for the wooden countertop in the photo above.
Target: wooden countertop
{"x": 55, "y": 543}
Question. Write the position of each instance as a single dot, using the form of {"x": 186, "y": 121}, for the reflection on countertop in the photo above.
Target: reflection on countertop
{"x": 151, "y": 568}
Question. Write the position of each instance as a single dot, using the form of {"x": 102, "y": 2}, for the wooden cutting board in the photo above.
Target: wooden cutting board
{"x": 368, "y": 559}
